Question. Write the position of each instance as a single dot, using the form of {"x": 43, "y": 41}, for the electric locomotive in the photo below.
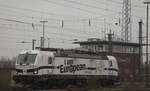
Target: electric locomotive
{"x": 50, "y": 69}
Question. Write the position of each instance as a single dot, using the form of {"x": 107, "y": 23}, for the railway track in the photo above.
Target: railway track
{"x": 67, "y": 89}
{"x": 44, "y": 90}
{"x": 77, "y": 89}
{"x": 83, "y": 89}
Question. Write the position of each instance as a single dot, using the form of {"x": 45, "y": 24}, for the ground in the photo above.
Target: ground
{"x": 5, "y": 79}
{"x": 6, "y": 85}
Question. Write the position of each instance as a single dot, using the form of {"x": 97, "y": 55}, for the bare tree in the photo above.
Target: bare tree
{"x": 7, "y": 63}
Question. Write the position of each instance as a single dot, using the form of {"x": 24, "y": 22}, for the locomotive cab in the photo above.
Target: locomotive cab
{"x": 30, "y": 62}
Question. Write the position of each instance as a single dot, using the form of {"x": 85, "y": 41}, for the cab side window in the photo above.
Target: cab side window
{"x": 50, "y": 60}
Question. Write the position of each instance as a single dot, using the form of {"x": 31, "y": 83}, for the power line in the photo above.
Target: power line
{"x": 117, "y": 2}
{"x": 32, "y": 17}
{"x": 32, "y": 23}
{"x": 114, "y": 1}
{"x": 48, "y": 13}
{"x": 40, "y": 25}
{"x": 41, "y": 32}
{"x": 27, "y": 16}
{"x": 101, "y": 8}
{"x": 87, "y": 5}
{"x": 14, "y": 21}
{"x": 53, "y": 13}
{"x": 95, "y": 18}
{"x": 53, "y": 27}
{"x": 52, "y": 33}
{"x": 36, "y": 11}
{"x": 8, "y": 37}
{"x": 64, "y": 5}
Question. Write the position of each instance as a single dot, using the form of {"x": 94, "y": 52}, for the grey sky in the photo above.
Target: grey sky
{"x": 75, "y": 16}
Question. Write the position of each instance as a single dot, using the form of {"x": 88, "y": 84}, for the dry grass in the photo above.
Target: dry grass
{"x": 5, "y": 79}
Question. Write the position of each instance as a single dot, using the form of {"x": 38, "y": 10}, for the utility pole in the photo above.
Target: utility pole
{"x": 147, "y": 3}
{"x": 105, "y": 29}
{"x": 110, "y": 46}
{"x": 140, "y": 50}
{"x": 43, "y": 32}
{"x": 41, "y": 43}
{"x": 33, "y": 42}
{"x": 48, "y": 42}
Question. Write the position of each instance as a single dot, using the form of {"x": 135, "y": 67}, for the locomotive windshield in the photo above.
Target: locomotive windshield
{"x": 26, "y": 58}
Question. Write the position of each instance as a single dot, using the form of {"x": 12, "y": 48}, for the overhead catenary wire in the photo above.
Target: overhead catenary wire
{"x": 42, "y": 11}
{"x": 13, "y": 20}
{"x": 47, "y": 33}
{"x": 38, "y": 25}
{"x": 87, "y": 5}
{"x": 35, "y": 11}
{"x": 62, "y": 39}
{"x": 28, "y": 23}
{"x": 33, "y": 31}
{"x": 85, "y": 10}
{"x": 54, "y": 14}
{"x": 96, "y": 18}
{"x": 80, "y": 19}
{"x": 110, "y": 10}
{"x": 90, "y": 19}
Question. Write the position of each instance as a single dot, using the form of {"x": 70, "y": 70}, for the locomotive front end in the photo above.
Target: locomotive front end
{"x": 25, "y": 67}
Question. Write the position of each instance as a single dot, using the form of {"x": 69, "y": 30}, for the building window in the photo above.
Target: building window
{"x": 106, "y": 48}
{"x": 131, "y": 50}
{"x": 100, "y": 47}
{"x": 135, "y": 49}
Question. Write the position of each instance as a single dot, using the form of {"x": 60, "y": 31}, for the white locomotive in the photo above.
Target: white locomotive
{"x": 49, "y": 68}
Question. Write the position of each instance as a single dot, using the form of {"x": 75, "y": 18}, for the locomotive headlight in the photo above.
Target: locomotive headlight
{"x": 16, "y": 72}
{"x": 35, "y": 72}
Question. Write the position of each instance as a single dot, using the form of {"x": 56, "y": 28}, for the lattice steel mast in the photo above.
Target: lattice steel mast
{"x": 126, "y": 21}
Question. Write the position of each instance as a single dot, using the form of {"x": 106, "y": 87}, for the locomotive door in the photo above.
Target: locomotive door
{"x": 110, "y": 68}
{"x": 50, "y": 64}
{"x": 101, "y": 66}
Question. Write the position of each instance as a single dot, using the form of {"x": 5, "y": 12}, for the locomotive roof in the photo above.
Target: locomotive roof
{"x": 85, "y": 56}
{"x": 73, "y": 53}
{"x": 69, "y": 53}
